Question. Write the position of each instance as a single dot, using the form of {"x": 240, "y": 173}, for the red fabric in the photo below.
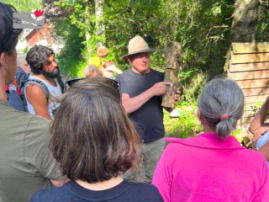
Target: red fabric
{"x": 19, "y": 91}
{"x": 224, "y": 116}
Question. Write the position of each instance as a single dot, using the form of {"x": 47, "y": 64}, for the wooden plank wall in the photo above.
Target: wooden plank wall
{"x": 249, "y": 68}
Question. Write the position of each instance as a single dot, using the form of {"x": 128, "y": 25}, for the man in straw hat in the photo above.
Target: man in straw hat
{"x": 97, "y": 59}
{"x": 142, "y": 89}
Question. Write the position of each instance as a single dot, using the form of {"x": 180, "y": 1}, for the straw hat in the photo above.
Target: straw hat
{"x": 137, "y": 45}
{"x": 102, "y": 51}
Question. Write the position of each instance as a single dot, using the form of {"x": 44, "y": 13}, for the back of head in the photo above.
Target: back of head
{"x": 37, "y": 57}
{"x": 93, "y": 139}
{"x": 91, "y": 71}
{"x": 8, "y": 35}
{"x": 102, "y": 51}
{"x": 221, "y": 104}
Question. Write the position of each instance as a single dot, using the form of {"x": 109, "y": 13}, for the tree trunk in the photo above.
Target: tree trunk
{"x": 100, "y": 27}
{"x": 244, "y": 26}
{"x": 172, "y": 62}
{"x": 87, "y": 31}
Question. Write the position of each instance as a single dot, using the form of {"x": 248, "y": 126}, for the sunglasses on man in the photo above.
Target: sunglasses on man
{"x": 113, "y": 82}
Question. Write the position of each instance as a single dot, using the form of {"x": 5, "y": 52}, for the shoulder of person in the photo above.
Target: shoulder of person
{"x": 153, "y": 71}
{"x": 44, "y": 195}
{"x": 255, "y": 157}
{"x": 20, "y": 118}
{"x": 38, "y": 130}
{"x": 35, "y": 91}
{"x": 146, "y": 190}
{"x": 124, "y": 74}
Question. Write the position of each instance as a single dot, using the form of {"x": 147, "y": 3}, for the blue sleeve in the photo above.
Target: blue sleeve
{"x": 35, "y": 197}
{"x": 20, "y": 76}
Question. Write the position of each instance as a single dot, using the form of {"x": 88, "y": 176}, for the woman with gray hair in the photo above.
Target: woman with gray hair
{"x": 213, "y": 166}
{"x": 91, "y": 71}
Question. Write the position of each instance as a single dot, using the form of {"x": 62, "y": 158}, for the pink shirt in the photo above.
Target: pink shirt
{"x": 207, "y": 168}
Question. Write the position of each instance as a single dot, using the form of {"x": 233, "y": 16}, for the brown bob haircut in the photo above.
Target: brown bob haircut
{"x": 92, "y": 137}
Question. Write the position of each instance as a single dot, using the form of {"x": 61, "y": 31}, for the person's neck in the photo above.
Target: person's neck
{"x": 208, "y": 129}
{"x": 137, "y": 72}
{"x": 99, "y": 186}
{"x": 2, "y": 90}
{"x": 49, "y": 80}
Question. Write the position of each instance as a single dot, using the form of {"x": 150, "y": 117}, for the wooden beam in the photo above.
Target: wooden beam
{"x": 257, "y": 83}
{"x": 249, "y": 67}
{"x": 249, "y": 58}
{"x": 253, "y": 99}
{"x": 255, "y": 91}
{"x": 262, "y": 74}
{"x": 247, "y": 120}
{"x": 239, "y": 48}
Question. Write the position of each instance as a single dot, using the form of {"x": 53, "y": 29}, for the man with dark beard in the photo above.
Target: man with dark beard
{"x": 44, "y": 69}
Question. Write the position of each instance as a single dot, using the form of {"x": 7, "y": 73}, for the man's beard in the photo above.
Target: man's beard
{"x": 52, "y": 74}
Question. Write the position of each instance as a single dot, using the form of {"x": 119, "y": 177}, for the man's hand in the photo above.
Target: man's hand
{"x": 159, "y": 88}
{"x": 256, "y": 136}
{"x": 177, "y": 96}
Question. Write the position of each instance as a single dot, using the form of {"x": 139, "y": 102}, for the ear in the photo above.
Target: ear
{"x": 3, "y": 62}
{"x": 198, "y": 114}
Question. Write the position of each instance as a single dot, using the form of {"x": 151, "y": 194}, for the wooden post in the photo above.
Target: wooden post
{"x": 172, "y": 62}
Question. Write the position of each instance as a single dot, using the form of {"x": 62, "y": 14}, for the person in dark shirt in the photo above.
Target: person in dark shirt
{"x": 95, "y": 143}
{"x": 142, "y": 89}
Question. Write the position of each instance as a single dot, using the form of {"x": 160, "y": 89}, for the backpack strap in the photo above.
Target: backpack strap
{"x": 32, "y": 81}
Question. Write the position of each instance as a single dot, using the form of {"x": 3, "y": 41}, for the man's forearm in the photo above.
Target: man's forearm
{"x": 133, "y": 104}
{"x": 259, "y": 119}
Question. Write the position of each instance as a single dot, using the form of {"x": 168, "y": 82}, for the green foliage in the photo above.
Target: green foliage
{"x": 238, "y": 134}
{"x": 259, "y": 104}
{"x": 263, "y": 24}
{"x": 70, "y": 59}
{"x": 200, "y": 26}
{"x": 25, "y": 50}
{"x": 187, "y": 125}
{"x": 24, "y": 5}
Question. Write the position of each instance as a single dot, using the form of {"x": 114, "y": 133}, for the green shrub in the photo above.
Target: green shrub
{"x": 187, "y": 125}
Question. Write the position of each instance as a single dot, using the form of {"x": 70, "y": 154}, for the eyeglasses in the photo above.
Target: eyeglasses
{"x": 112, "y": 82}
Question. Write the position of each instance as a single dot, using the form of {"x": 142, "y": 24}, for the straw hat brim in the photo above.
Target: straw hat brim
{"x": 141, "y": 51}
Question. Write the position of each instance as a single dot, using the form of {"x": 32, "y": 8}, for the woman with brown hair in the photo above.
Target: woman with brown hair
{"x": 95, "y": 143}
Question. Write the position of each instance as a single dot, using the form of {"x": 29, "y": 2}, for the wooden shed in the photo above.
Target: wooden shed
{"x": 249, "y": 68}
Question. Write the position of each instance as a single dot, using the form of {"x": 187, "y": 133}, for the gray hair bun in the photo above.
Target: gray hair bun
{"x": 221, "y": 104}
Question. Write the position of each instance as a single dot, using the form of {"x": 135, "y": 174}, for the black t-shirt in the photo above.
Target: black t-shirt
{"x": 149, "y": 117}
{"x": 124, "y": 192}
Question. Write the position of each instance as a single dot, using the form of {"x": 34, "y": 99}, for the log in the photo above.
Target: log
{"x": 172, "y": 63}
